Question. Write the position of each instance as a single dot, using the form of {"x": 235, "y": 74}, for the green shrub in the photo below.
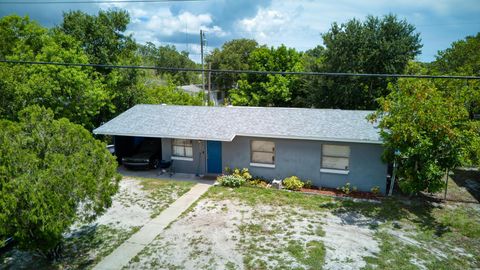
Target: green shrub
{"x": 375, "y": 190}
{"x": 293, "y": 183}
{"x": 258, "y": 182}
{"x": 347, "y": 188}
{"x": 308, "y": 184}
{"x": 244, "y": 173}
{"x": 231, "y": 180}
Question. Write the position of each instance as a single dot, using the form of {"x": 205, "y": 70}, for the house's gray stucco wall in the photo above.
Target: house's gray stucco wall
{"x": 183, "y": 166}
{"x": 302, "y": 158}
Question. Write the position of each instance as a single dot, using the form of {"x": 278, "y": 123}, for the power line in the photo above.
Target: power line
{"x": 233, "y": 71}
{"x": 95, "y": 1}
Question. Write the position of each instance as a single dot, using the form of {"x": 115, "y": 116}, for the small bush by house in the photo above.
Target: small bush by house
{"x": 258, "y": 182}
{"x": 244, "y": 173}
{"x": 231, "y": 180}
{"x": 375, "y": 190}
{"x": 293, "y": 183}
{"x": 347, "y": 188}
{"x": 307, "y": 184}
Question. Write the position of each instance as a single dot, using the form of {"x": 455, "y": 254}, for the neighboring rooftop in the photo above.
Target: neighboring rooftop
{"x": 192, "y": 88}
{"x": 224, "y": 123}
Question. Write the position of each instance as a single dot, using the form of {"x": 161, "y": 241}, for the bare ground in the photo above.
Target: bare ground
{"x": 230, "y": 235}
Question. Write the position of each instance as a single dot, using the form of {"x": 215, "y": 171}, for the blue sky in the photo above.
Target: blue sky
{"x": 297, "y": 24}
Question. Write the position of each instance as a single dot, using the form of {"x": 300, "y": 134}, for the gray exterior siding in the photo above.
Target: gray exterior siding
{"x": 293, "y": 157}
{"x": 185, "y": 166}
{"x": 303, "y": 158}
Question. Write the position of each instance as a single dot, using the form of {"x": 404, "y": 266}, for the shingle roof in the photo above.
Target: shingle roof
{"x": 224, "y": 123}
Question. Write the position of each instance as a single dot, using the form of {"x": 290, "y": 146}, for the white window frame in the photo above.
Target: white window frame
{"x": 262, "y": 164}
{"x": 325, "y": 169}
{"x": 188, "y": 144}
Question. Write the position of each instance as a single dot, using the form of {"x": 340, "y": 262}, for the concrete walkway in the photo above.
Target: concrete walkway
{"x": 132, "y": 246}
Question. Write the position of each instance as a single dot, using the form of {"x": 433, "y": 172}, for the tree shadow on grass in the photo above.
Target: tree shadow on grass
{"x": 469, "y": 180}
{"x": 395, "y": 210}
{"x": 74, "y": 252}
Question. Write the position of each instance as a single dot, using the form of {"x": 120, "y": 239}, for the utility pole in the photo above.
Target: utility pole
{"x": 202, "y": 43}
{"x": 209, "y": 83}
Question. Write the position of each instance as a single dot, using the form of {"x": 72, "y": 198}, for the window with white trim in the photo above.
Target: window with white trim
{"x": 335, "y": 157}
{"x": 182, "y": 148}
{"x": 262, "y": 152}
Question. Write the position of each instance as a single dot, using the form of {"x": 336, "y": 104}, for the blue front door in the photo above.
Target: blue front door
{"x": 214, "y": 157}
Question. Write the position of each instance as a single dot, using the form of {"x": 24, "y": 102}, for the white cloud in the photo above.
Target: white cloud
{"x": 167, "y": 24}
{"x": 265, "y": 23}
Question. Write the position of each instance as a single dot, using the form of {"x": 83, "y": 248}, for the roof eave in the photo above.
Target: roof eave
{"x": 241, "y": 134}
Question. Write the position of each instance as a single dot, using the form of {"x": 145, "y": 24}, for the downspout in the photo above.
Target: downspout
{"x": 200, "y": 151}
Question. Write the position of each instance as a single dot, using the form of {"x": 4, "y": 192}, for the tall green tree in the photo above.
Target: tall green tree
{"x": 430, "y": 129}
{"x": 168, "y": 56}
{"x": 76, "y": 93}
{"x": 462, "y": 58}
{"x": 52, "y": 174}
{"x": 234, "y": 55}
{"x": 269, "y": 90}
{"x": 375, "y": 45}
{"x": 103, "y": 39}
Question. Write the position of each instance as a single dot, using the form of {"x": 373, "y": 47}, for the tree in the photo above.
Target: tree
{"x": 168, "y": 56}
{"x": 234, "y": 55}
{"x": 170, "y": 94}
{"x": 104, "y": 41}
{"x": 76, "y": 93}
{"x": 52, "y": 174}
{"x": 312, "y": 60}
{"x": 462, "y": 58}
{"x": 431, "y": 131}
{"x": 269, "y": 90}
{"x": 375, "y": 46}
{"x": 102, "y": 36}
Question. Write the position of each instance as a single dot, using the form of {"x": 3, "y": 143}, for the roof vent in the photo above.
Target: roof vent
{"x": 163, "y": 104}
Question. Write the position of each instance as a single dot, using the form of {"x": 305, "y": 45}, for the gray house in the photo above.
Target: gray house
{"x": 329, "y": 147}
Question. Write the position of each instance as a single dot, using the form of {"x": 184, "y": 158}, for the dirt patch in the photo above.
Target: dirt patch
{"x": 348, "y": 238}
{"x": 131, "y": 206}
{"x": 227, "y": 234}
{"x": 204, "y": 238}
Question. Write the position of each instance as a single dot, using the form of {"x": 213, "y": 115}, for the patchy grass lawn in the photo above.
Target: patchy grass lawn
{"x": 138, "y": 200}
{"x": 254, "y": 228}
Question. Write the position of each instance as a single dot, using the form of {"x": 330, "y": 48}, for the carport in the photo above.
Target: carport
{"x": 191, "y": 150}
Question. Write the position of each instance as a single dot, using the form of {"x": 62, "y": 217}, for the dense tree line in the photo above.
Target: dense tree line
{"x": 375, "y": 45}
{"x": 85, "y": 95}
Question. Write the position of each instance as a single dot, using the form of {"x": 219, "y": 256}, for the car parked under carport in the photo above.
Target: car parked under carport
{"x": 138, "y": 152}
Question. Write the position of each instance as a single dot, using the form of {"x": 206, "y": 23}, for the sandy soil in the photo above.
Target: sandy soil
{"x": 131, "y": 206}
{"x": 348, "y": 239}
{"x": 228, "y": 234}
